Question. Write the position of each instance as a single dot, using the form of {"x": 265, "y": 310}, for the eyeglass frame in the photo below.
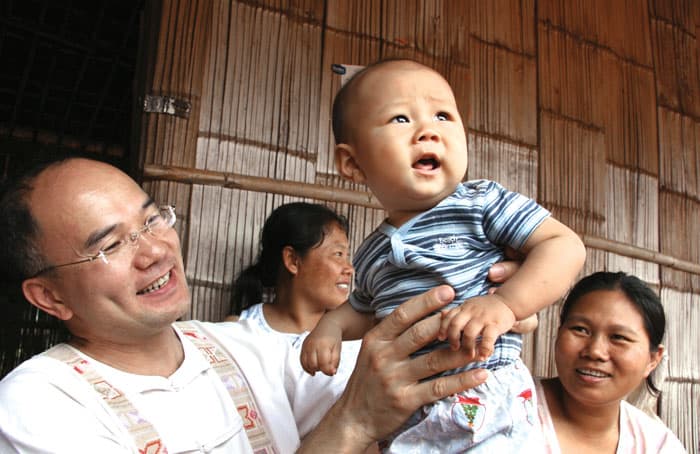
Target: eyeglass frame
{"x": 132, "y": 237}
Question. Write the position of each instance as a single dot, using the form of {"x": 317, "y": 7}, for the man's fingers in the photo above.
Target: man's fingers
{"x": 438, "y": 388}
{"x": 411, "y": 311}
{"x": 502, "y": 271}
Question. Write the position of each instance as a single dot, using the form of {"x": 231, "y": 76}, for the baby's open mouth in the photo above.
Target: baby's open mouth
{"x": 426, "y": 164}
{"x": 156, "y": 285}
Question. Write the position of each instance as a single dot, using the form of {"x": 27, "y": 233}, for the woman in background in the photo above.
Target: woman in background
{"x": 303, "y": 269}
{"x": 608, "y": 343}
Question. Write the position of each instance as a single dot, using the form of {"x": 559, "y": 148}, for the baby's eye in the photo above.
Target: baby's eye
{"x": 442, "y": 116}
{"x": 400, "y": 119}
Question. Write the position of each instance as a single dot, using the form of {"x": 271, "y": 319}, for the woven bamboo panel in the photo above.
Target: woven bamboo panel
{"x": 679, "y": 153}
{"x": 680, "y": 411}
{"x": 570, "y": 75}
{"x": 180, "y": 54}
{"x": 307, "y": 10}
{"x": 629, "y": 99}
{"x": 682, "y": 337}
{"x": 505, "y": 23}
{"x": 621, "y": 26}
{"x": 269, "y": 99}
{"x": 503, "y": 93}
{"x": 676, "y": 63}
{"x": 514, "y": 166}
{"x": 572, "y": 167}
{"x": 684, "y": 13}
{"x": 632, "y": 208}
{"x": 679, "y": 237}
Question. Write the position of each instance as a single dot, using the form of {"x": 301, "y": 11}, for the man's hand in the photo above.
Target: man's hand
{"x": 386, "y": 386}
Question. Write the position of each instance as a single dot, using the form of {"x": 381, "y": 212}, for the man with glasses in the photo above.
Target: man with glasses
{"x": 92, "y": 249}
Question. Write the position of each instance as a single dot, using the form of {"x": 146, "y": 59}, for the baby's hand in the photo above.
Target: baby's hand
{"x": 321, "y": 349}
{"x": 486, "y": 316}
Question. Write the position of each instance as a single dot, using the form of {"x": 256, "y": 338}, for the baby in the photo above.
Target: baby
{"x": 398, "y": 130}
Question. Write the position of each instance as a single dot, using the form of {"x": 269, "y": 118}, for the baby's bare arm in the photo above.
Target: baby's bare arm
{"x": 321, "y": 348}
{"x": 554, "y": 257}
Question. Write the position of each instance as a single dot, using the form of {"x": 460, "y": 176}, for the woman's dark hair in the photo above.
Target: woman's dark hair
{"x": 300, "y": 225}
{"x": 637, "y": 292}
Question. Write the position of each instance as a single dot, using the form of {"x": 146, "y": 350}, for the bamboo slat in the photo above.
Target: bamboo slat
{"x": 676, "y": 63}
{"x": 572, "y": 163}
{"x": 502, "y": 93}
{"x": 631, "y": 208}
{"x": 629, "y": 120}
{"x": 620, "y": 26}
{"x": 504, "y": 23}
{"x": 571, "y": 77}
{"x": 679, "y": 410}
{"x": 684, "y": 13}
{"x": 679, "y": 153}
{"x": 361, "y": 17}
{"x": 514, "y": 166}
{"x": 683, "y": 337}
{"x": 678, "y": 217}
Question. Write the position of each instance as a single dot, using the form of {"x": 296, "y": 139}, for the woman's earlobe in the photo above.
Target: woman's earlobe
{"x": 290, "y": 260}
{"x": 656, "y": 357}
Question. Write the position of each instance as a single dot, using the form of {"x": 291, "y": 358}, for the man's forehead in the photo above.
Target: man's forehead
{"x": 80, "y": 186}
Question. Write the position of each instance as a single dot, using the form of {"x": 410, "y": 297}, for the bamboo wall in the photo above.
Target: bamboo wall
{"x": 590, "y": 106}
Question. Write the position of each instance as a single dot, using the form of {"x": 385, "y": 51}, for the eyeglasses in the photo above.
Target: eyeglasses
{"x": 156, "y": 225}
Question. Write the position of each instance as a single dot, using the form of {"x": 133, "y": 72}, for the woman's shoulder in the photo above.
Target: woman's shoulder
{"x": 640, "y": 432}
{"x": 253, "y": 312}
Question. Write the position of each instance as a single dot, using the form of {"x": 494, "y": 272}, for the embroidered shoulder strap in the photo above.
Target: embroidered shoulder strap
{"x": 143, "y": 433}
{"x": 237, "y": 385}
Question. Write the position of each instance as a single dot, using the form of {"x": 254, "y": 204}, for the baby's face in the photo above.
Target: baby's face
{"x": 407, "y": 137}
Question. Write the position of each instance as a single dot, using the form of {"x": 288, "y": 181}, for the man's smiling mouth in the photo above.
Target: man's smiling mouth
{"x": 156, "y": 285}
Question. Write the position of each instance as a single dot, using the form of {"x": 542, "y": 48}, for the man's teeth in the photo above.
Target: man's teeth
{"x": 592, "y": 373}
{"x": 156, "y": 285}
{"x": 344, "y": 286}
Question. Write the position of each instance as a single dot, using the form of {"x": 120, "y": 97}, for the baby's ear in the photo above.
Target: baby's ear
{"x": 346, "y": 163}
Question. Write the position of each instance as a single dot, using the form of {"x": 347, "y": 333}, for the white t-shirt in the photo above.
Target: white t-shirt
{"x": 310, "y": 411}
{"x": 639, "y": 433}
{"x": 46, "y": 407}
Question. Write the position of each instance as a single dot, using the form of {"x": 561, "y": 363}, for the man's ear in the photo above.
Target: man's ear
{"x": 347, "y": 165}
{"x": 40, "y": 292}
{"x": 290, "y": 260}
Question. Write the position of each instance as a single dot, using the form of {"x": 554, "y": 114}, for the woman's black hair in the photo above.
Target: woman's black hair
{"x": 637, "y": 292}
{"x": 300, "y": 225}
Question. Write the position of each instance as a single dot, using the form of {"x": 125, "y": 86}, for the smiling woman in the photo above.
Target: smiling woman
{"x": 303, "y": 270}
{"x": 609, "y": 341}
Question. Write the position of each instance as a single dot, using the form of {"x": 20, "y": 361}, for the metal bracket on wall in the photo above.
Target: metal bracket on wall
{"x": 167, "y": 105}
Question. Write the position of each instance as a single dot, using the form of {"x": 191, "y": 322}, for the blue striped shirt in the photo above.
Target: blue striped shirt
{"x": 454, "y": 243}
